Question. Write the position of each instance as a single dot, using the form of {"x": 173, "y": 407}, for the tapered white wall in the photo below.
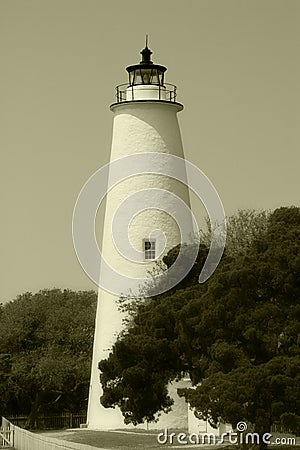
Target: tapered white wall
{"x": 139, "y": 126}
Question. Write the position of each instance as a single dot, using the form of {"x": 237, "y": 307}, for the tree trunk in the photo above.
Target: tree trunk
{"x": 31, "y": 422}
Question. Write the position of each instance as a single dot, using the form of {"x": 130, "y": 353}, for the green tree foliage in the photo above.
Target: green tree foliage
{"x": 45, "y": 352}
{"x": 237, "y": 335}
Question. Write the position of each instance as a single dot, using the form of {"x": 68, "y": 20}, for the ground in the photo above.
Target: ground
{"x": 119, "y": 440}
{"x": 134, "y": 440}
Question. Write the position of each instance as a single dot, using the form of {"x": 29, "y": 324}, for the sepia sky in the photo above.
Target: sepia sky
{"x": 236, "y": 66}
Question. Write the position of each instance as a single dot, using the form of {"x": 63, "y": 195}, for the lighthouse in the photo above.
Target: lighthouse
{"x": 140, "y": 212}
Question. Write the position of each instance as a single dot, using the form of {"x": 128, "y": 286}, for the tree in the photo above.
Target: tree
{"x": 45, "y": 352}
{"x": 237, "y": 335}
{"x": 242, "y": 229}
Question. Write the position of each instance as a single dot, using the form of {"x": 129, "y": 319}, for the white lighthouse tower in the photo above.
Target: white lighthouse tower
{"x": 145, "y": 121}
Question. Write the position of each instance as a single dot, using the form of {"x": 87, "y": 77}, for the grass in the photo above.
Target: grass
{"x": 119, "y": 440}
{"x": 108, "y": 440}
{"x": 135, "y": 440}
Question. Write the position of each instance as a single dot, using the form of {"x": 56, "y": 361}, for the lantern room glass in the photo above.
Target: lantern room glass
{"x": 143, "y": 75}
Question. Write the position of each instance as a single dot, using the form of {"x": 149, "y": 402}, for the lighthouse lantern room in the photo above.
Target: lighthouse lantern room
{"x": 146, "y": 82}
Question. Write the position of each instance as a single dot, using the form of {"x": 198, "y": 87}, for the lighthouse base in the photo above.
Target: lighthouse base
{"x": 181, "y": 417}
{"x": 112, "y": 418}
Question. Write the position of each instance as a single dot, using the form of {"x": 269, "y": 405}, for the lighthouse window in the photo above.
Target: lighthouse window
{"x": 146, "y": 74}
{"x": 149, "y": 249}
{"x": 161, "y": 78}
{"x": 138, "y": 77}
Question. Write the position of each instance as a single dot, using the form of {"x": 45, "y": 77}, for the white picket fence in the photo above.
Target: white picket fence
{"x": 6, "y": 438}
{"x": 21, "y": 439}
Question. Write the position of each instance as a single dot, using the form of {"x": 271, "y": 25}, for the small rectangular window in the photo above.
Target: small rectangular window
{"x": 149, "y": 249}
